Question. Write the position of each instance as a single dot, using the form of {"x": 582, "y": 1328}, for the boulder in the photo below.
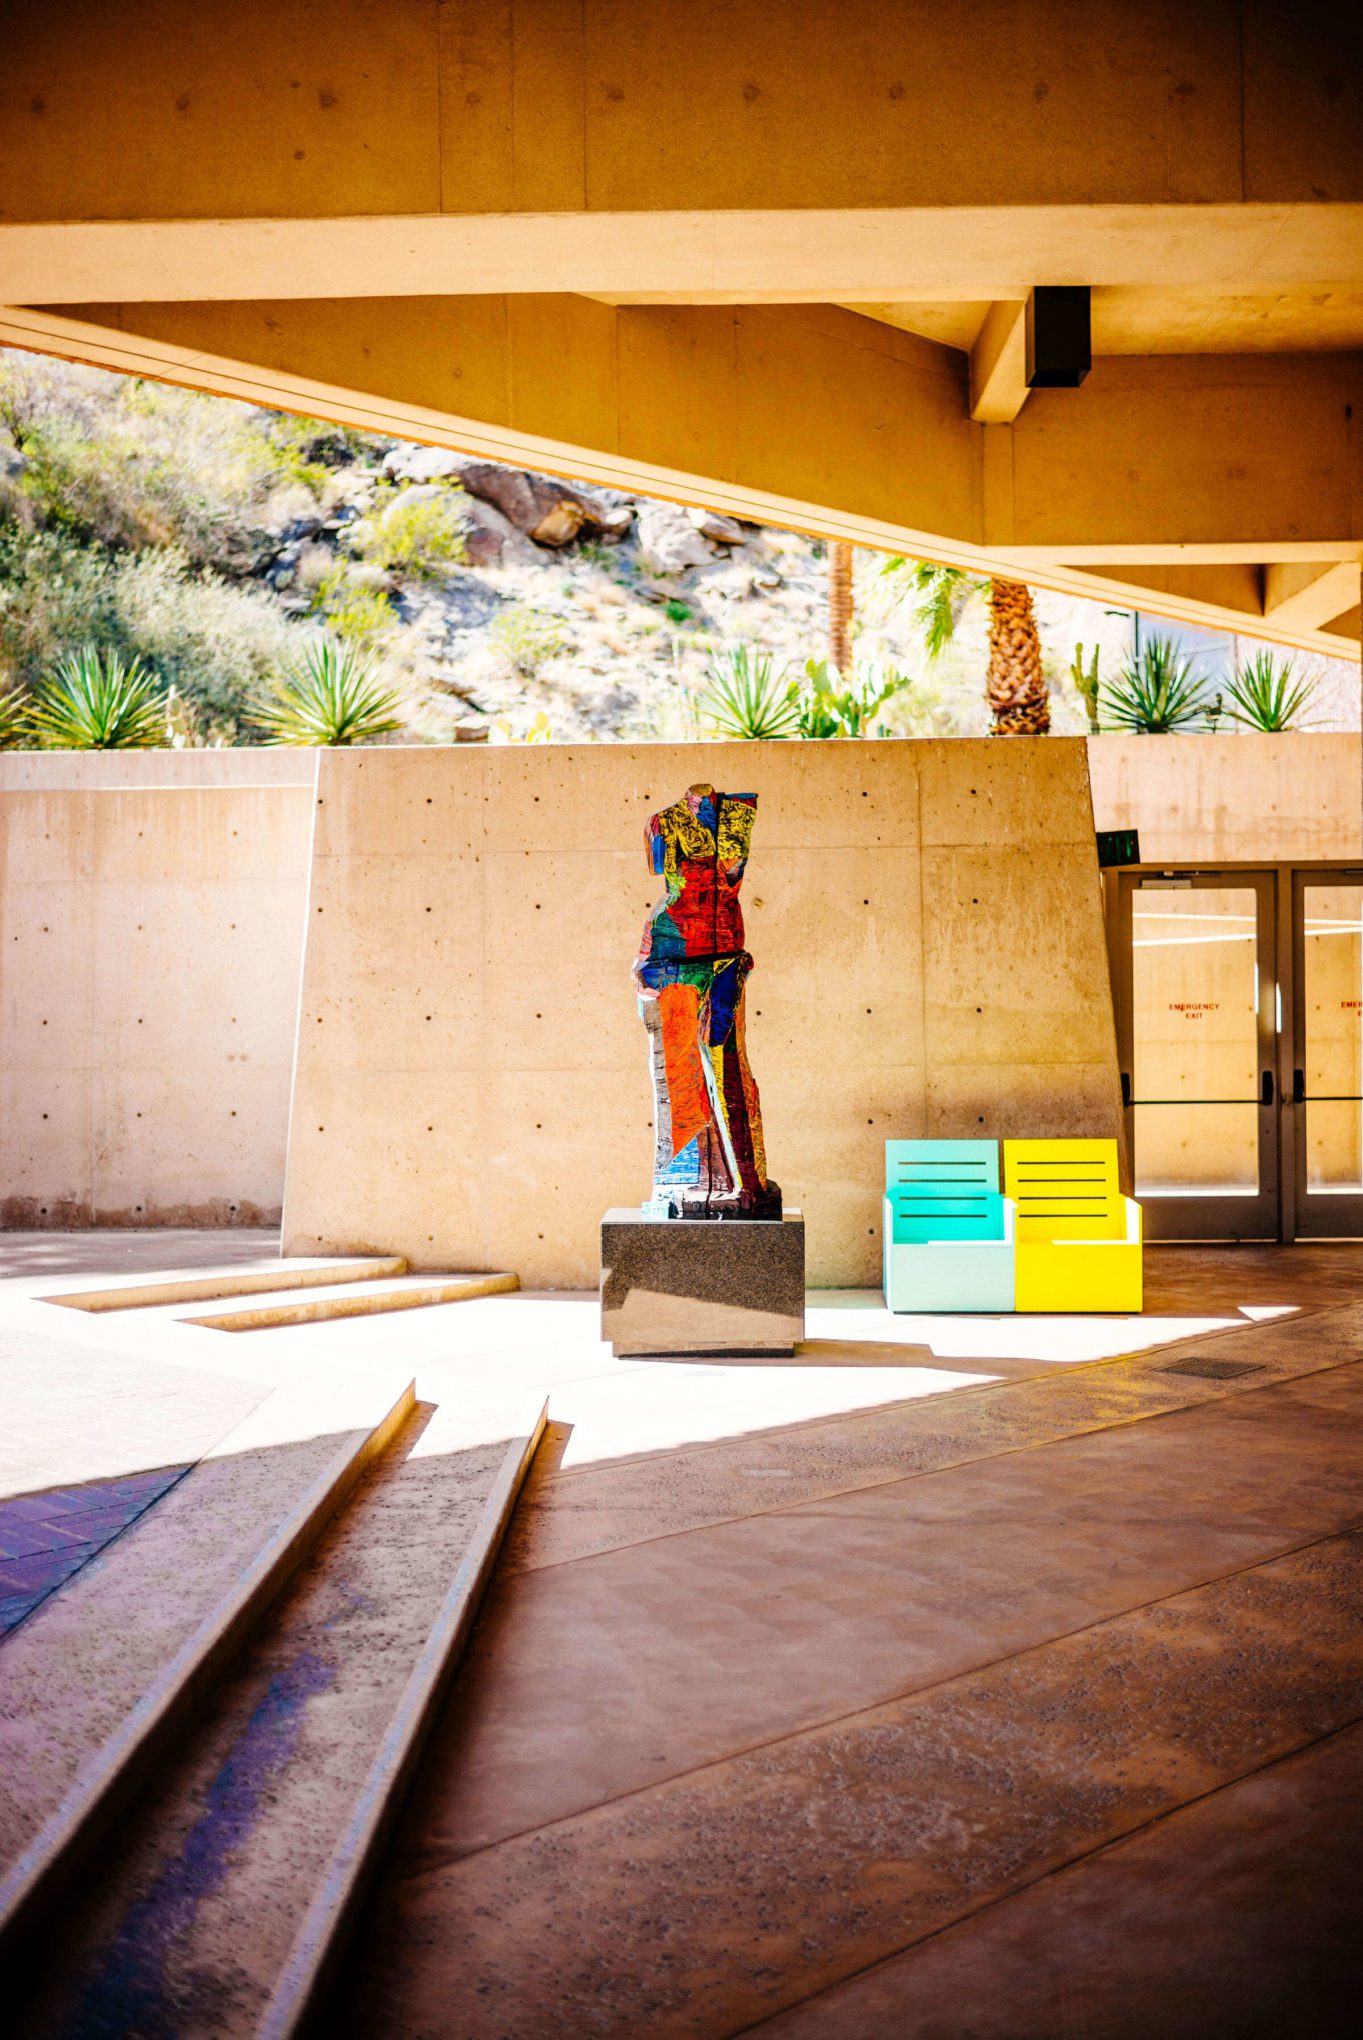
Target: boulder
{"x": 423, "y": 463}
{"x": 719, "y": 529}
{"x": 549, "y": 512}
{"x": 669, "y": 541}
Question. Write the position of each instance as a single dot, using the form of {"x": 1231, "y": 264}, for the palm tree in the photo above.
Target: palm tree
{"x": 1015, "y": 686}
{"x": 840, "y": 606}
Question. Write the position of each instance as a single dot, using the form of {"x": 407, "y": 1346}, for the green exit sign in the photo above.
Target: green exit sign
{"x": 1118, "y": 846}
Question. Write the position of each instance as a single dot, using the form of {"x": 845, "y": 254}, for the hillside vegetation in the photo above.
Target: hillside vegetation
{"x": 211, "y": 539}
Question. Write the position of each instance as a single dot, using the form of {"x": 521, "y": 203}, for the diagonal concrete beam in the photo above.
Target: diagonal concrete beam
{"x": 998, "y": 365}
{"x": 1308, "y": 596}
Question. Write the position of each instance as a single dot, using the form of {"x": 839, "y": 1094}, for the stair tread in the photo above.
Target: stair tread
{"x": 84, "y": 1677}
{"x": 352, "y": 1299}
{"x": 273, "y": 1275}
{"x": 310, "y": 1731}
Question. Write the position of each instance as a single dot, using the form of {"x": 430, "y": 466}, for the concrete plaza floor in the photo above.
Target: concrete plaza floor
{"x": 960, "y": 1677}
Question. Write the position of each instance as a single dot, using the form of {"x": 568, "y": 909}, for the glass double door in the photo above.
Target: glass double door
{"x": 1326, "y": 1053}
{"x": 1240, "y": 1031}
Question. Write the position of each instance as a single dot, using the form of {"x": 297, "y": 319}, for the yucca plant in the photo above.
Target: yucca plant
{"x": 332, "y": 695}
{"x": 13, "y": 718}
{"x": 95, "y": 700}
{"x": 1157, "y": 692}
{"x": 747, "y": 695}
{"x": 1266, "y": 695}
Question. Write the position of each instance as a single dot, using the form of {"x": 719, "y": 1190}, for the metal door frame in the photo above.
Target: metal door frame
{"x": 1338, "y": 1214}
{"x": 1265, "y": 1215}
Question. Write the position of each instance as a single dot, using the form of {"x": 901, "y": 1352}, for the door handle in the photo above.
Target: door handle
{"x": 1266, "y": 1088}
{"x": 1299, "y": 1087}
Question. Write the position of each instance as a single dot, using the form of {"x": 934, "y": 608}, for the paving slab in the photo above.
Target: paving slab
{"x": 1237, "y": 1916}
{"x": 701, "y": 1906}
{"x": 567, "y": 1515}
{"x": 597, "y": 1677}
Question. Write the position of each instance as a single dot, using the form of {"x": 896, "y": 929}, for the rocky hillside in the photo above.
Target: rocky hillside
{"x": 209, "y": 537}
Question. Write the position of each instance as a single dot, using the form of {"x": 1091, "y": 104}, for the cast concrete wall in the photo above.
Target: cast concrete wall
{"x": 1241, "y": 799}
{"x": 472, "y": 1086}
{"x": 150, "y": 948}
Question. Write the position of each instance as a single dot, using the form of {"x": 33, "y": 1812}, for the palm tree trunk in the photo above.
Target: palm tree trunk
{"x": 1016, "y": 687}
{"x": 840, "y": 607}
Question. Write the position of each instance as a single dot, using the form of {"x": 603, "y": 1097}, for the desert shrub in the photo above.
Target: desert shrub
{"x": 418, "y": 534}
{"x": 526, "y": 637}
{"x": 210, "y": 640}
{"x": 352, "y": 610}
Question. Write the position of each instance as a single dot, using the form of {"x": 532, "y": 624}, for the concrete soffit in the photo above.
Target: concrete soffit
{"x": 1285, "y": 588}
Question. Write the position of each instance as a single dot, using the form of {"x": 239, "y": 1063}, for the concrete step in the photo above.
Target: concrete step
{"x": 97, "y": 1684}
{"x": 412, "y": 1292}
{"x": 139, "y": 1292}
{"x": 233, "y": 1885}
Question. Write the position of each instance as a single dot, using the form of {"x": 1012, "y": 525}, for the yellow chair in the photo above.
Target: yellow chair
{"x": 1078, "y": 1238}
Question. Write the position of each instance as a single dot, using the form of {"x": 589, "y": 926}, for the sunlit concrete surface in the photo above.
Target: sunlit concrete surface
{"x": 787, "y": 1667}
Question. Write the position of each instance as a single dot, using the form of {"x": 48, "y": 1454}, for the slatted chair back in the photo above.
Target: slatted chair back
{"x": 943, "y": 1190}
{"x": 1065, "y": 1189}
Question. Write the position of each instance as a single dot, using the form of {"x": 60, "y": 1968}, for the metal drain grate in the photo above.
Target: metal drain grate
{"x": 1213, "y": 1370}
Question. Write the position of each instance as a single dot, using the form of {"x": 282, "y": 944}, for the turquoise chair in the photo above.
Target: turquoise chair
{"x": 948, "y": 1231}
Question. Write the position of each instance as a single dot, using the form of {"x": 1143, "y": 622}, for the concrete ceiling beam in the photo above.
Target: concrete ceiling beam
{"x": 256, "y": 110}
{"x": 1200, "y": 469}
{"x": 1307, "y": 597}
{"x": 807, "y": 255}
{"x": 998, "y": 365}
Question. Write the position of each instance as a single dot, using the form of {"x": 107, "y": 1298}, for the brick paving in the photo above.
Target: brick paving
{"x": 45, "y": 1538}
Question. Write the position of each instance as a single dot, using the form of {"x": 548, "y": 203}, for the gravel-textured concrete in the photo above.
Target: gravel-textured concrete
{"x": 199, "y": 1903}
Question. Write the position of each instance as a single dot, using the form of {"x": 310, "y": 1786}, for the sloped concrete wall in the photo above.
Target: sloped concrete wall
{"x": 472, "y": 1086}
{"x": 1239, "y": 799}
{"x": 150, "y": 949}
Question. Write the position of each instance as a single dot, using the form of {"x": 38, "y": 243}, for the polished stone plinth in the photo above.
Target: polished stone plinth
{"x": 718, "y": 1286}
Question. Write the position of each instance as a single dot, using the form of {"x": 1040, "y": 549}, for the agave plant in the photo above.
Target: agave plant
{"x": 1266, "y": 694}
{"x": 95, "y": 700}
{"x": 333, "y": 695}
{"x": 747, "y": 695}
{"x": 1156, "y": 692}
{"x": 13, "y": 719}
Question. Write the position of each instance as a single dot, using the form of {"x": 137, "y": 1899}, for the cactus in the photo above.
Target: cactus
{"x": 1085, "y": 679}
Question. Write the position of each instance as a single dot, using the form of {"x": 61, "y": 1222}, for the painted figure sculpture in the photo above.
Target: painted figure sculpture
{"x": 691, "y": 970}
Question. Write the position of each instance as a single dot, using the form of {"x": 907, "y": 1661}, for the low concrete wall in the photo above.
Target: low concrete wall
{"x": 472, "y": 1086}
{"x": 150, "y": 948}
{"x": 105, "y": 771}
{"x": 151, "y": 915}
{"x": 1241, "y": 799}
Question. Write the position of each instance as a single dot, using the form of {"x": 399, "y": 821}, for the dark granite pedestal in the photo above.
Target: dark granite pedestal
{"x": 732, "y": 1286}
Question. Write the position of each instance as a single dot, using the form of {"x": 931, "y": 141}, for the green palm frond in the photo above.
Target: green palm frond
{"x": 13, "y": 718}
{"x": 1266, "y": 695}
{"x": 333, "y": 695}
{"x": 97, "y": 701}
{"x": 746, "y": 696}
{"x": 1157, "y": 692}
{"x": 939, "y": 597}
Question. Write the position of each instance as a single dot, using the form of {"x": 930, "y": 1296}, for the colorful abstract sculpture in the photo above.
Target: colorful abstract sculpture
{"x": 709, "y": 1160}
